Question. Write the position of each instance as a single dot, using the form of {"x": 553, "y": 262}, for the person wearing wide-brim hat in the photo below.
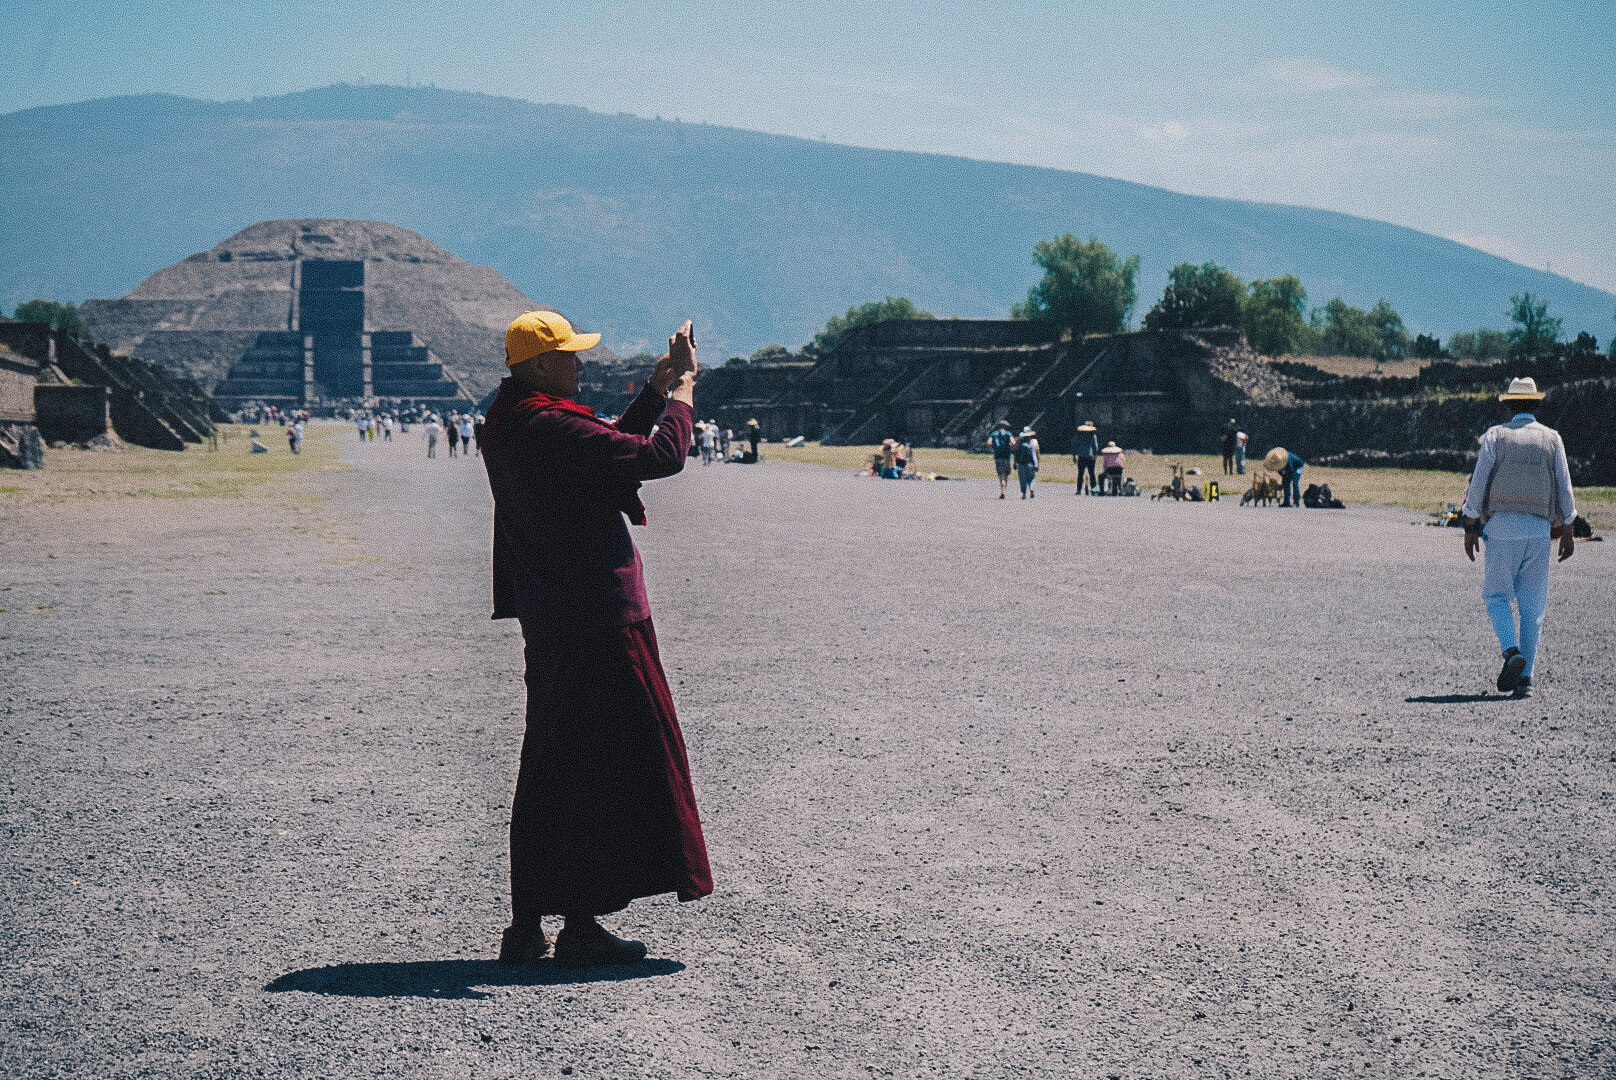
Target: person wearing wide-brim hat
{"x": 1518, "y": 500}
{"x": 1112, "y": 460}
{"x": 1288, "y": 464}
{"x": 1027, "y": 461}
{"x": 1085, "y": 448}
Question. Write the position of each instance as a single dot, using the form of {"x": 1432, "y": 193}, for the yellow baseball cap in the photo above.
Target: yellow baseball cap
{"x": 536, "y": 332}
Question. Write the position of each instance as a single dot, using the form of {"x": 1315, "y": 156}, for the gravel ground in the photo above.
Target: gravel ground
{"x": 1095, "y": 788}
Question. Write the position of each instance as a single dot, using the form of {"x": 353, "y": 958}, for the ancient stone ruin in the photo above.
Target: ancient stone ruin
{"x": 317, "y": 312}
{"x": 946, "y": 382}
{"x": 84, "y": 393}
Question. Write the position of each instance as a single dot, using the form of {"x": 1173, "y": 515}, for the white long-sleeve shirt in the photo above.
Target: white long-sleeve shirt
{"x": 1508, "y": 526}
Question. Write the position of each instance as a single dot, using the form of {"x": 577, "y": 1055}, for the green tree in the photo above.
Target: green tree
{"x": 1272, "y": 316}
{"x": 60, "y": 316}
{"x": 876, "y": 311}
{"x": 1344, "y": 330}
{"x": 1480, "y": 344}
{"x": 1426, "y": 347}
{"x": 1196, "y": 296}
{"x": 1535, "y": 330}
{"x": 1087, "y": 288}
{"x": 771, "y": 353}
{"x": 1391, "y": 338}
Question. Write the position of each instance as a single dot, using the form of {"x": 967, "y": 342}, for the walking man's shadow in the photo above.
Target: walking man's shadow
{"x": 453, "y": 978}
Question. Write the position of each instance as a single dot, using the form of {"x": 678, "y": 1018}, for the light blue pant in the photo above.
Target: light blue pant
{"x": 1517, "y": 570}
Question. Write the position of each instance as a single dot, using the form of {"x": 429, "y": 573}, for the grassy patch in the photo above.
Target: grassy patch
{"x": 232, "y": 471}
{"x": 1417, "y": 489}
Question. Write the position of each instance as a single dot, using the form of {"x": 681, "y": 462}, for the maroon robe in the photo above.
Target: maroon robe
{"x": 604, "y": 811}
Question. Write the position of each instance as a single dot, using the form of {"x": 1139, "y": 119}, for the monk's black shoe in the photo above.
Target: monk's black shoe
{"x": 594, "y": 947}
{"x": 519, "y": 945}
{"x": 1514, "y": 664}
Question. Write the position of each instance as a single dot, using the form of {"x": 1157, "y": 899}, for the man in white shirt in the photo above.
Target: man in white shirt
{"x": 1519, "y": 498}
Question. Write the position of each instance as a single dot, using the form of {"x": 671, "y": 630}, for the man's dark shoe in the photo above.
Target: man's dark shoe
{"x": 519, "y": 945}
{"x": 1523, "y": 688}
{"x": 594, "y": 947}
{"x": 1514, "y": 664}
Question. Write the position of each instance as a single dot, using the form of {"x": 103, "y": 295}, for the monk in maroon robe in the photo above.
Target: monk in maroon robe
{"x": 604, "y": 811}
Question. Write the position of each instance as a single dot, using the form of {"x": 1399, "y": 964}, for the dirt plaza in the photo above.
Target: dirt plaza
{"x": 1066, "y": 787}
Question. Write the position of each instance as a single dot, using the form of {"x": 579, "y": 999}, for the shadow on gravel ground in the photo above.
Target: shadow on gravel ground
{"x": 1455, "y": 699}
{"x": 453, "y": 978}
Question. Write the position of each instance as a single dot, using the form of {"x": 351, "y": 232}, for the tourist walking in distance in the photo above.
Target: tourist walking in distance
{"x": 291, "y": 438}
{"x": 432, "y": 430}
{"x": 451, "y": 432}
{"x": 1230, "y": 438}
{"x": 1085, "y": 448}
{"x": 708, "y": 437}
{"x": 604, "y": 811}
{"x": 465, "y": 433}
{"x": 1003, "y": 444}
{"x": 1240, "y": 441}
{"x": 1027, "y": 461}
{"x": 754, "y": 435}
{"x": 1112, "y": 460}
{"x": 725, "y": 437}
{"x": 477, "y": 424}
{"x": 1518, "y": 501}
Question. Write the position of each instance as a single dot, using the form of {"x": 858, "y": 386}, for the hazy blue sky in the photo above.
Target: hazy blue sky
{"x": 1491, "y": 123}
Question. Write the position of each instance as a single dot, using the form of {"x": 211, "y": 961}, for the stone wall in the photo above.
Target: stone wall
{"x": 19, "y": 437}
{"x": 1583, "y": 412}
{"x": 74, "y": 414}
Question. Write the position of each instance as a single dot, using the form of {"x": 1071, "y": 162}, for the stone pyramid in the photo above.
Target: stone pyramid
{"x": 204, "y": 314}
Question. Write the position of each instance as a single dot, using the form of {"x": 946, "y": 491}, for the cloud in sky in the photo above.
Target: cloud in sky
{"x": 1312, "y": 76}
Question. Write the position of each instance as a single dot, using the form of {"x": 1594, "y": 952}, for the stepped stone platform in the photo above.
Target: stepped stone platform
{"x": 945, "y": 382}
{"x": 144, "y": 404}
{"x": 239, "y": 317}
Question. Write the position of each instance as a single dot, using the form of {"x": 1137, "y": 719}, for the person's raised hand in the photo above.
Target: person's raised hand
{"x": 682, "y": 349}
{"x": 662, "y": 377}
{"x": 1568, "y": 544}
{"x": 682, "y": 360}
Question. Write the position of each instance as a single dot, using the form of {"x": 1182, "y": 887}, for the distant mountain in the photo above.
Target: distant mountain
{"x": 630, "y": 225}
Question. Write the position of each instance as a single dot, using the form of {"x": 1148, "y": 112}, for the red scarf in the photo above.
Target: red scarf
{"x": 515, "y": 404}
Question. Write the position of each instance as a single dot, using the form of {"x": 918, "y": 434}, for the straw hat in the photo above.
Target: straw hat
{"x": 1111, "y": 448}
{"x": 1026, "y": 431}
{"x": 752, "y": 422}
{"x": 1087, "y": 427}
{"x": 1277, "y": 458}
{"x": 1521, "y": 390}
